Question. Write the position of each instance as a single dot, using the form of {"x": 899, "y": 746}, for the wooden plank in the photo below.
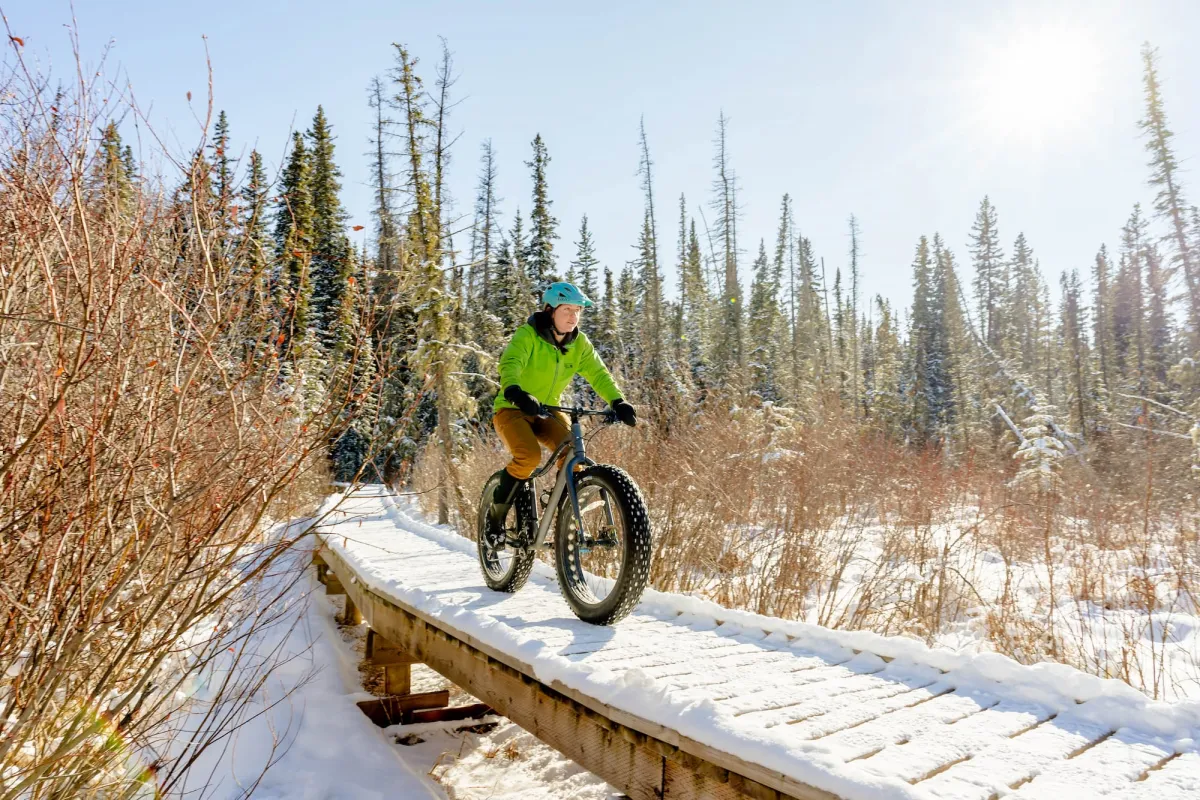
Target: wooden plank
{"x": 452, "y": 713}
{"x": 333, "y": 584}
{"x": 821, "y": 700}
{"x": 385, "y": 711}
{"x": 1013, "y": 762}
{"x": 803, "y": 685}
{"x": 907, "y": 723}
{"x": 628, "y": 757}
{"x": 1111, "y": 768}
{"x": 942, "y": 746}
{"x": 397, "y": 678}
{"x": 1177, "y": 779}
{"x": 851, "y": 715}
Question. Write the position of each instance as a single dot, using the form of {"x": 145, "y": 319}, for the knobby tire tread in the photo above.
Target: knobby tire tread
{"x": 522, "y": 563}
{"x": 636, "y": 572}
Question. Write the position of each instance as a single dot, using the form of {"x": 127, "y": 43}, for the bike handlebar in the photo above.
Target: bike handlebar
{"x": 583, "y": 412}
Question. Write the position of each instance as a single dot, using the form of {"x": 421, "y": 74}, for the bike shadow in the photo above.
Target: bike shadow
{"x": 567, "y": 636}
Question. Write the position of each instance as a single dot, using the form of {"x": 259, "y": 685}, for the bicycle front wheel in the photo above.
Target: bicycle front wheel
{"x": 603, "y": 567}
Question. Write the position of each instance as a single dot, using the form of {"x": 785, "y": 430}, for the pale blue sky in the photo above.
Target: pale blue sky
{"x": 900, "y": 113}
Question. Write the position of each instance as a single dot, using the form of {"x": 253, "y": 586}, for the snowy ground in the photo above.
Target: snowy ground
{"x": 306, "y": 726}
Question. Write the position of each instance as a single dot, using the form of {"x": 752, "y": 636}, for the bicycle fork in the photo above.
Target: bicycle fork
{"x": 566, "y": 482}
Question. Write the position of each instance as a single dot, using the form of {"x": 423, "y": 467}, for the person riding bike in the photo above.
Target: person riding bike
{"x": 538, "y": 363}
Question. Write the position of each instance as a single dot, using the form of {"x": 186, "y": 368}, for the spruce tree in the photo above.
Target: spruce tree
{"x": 649, "y": 274}
{"x": 111, "y": 182}
{"x": 947, "y": 369}
{"x": 584, "y": 267}
{"x": 729, "y": 353}
{"x": 1158, "y": 325}
{"x": 841, "y": 341}
{"x": 855, "y": 368}
{"x": 696, "y": 306}
{"x": 1102, "y": 328}
{"x": 387, "y": 259}
{"x": 647, "y": 289}
{"x": 886, "y": 400}
{"x": 223, "y": 184}
{"x": 437, "y": 355}
{"x": 255, "y": 247}
{"x": 1023, "y": 309}
{"x": 810, "y": 336}
{"x": 1129, "y": 306}
{"x": 605, "y": 332}
{"x": 628, "y": 321}
{"x": 485, "y": 234}
{"x": 1077, "y": 359}
{"x": 1169, "y": 202}
{"x": 763, "y": 328}
{"x": 331, "y": 259}
{"x": 991, "y": 280}
{"x": 293, "y": 244}
{"x": 540, "y": 262}
{"x": 511, "y": 290}
{"x": 923, "y": 342}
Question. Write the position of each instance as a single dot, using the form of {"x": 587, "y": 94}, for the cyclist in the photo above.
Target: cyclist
{"x": 538, "y": 363}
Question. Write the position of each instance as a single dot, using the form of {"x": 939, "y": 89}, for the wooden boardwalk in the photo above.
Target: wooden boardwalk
{"x": 673, "y": 703}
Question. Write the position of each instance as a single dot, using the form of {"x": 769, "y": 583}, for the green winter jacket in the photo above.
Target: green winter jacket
{"x": 539, "y": 366}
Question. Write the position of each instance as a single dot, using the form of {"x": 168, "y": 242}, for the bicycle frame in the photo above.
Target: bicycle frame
{"x": 566, "y": 477}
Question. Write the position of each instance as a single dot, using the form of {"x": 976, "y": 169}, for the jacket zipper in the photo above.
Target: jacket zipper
{"x": 557, "y": 362}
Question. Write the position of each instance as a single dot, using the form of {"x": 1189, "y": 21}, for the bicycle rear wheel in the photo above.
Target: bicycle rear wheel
{"x": 505, "y": 567}
{"x": 603, "y": 568}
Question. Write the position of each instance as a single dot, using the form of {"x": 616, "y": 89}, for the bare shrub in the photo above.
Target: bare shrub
{"x": 845, "y": 528}
{"x": 150, "y": 431}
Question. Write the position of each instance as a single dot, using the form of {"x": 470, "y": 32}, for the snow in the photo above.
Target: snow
{"x": 304, "y": 723}
{"x": 764, "y": 690}
{"x": 305, "y": 731}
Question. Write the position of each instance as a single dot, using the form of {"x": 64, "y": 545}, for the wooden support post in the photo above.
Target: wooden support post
{"x": 321, "y": 565}
{"x": 382, "y": 653}
{"x": 397, "y": 679}
{"x": 351, "y": 615}
{"x": 333, "y": 585}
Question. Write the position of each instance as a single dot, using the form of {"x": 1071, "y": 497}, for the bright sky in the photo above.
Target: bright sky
{"x": 904, "y": 114}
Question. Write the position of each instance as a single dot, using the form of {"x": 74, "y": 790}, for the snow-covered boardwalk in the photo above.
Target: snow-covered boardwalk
{"x": 802, "y": 710}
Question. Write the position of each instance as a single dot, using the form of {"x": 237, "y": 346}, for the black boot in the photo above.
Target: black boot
{"x": 502, "y": 498}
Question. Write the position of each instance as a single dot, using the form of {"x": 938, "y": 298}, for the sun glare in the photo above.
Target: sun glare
{"x": 1039, "y": 85}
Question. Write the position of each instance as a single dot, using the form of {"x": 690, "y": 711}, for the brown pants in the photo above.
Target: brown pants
{"x": 523, "y": 435}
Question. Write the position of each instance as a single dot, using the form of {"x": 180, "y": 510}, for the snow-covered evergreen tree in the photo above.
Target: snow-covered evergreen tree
{"x": 540, "y": 263}
{"x": 1040, "y": 452}
{"x": 584, "y": 268}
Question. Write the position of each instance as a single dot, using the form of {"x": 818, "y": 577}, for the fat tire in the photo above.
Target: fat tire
{"x": 519, "y": 568}
{"x": 635, "y": 568}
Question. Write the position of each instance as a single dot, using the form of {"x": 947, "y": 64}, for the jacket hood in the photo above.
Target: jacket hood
{"x": 543, "y": 325}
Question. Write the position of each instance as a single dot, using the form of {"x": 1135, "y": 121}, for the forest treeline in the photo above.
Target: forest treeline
{"x": 983, "y": 362}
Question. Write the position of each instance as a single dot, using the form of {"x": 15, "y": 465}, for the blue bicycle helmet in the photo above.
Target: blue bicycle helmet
{"x": 562, "y": 292}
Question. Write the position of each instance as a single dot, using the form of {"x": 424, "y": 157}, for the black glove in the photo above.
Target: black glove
{"x": 624, "y": 412}
{"x": 524, "y": 401}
